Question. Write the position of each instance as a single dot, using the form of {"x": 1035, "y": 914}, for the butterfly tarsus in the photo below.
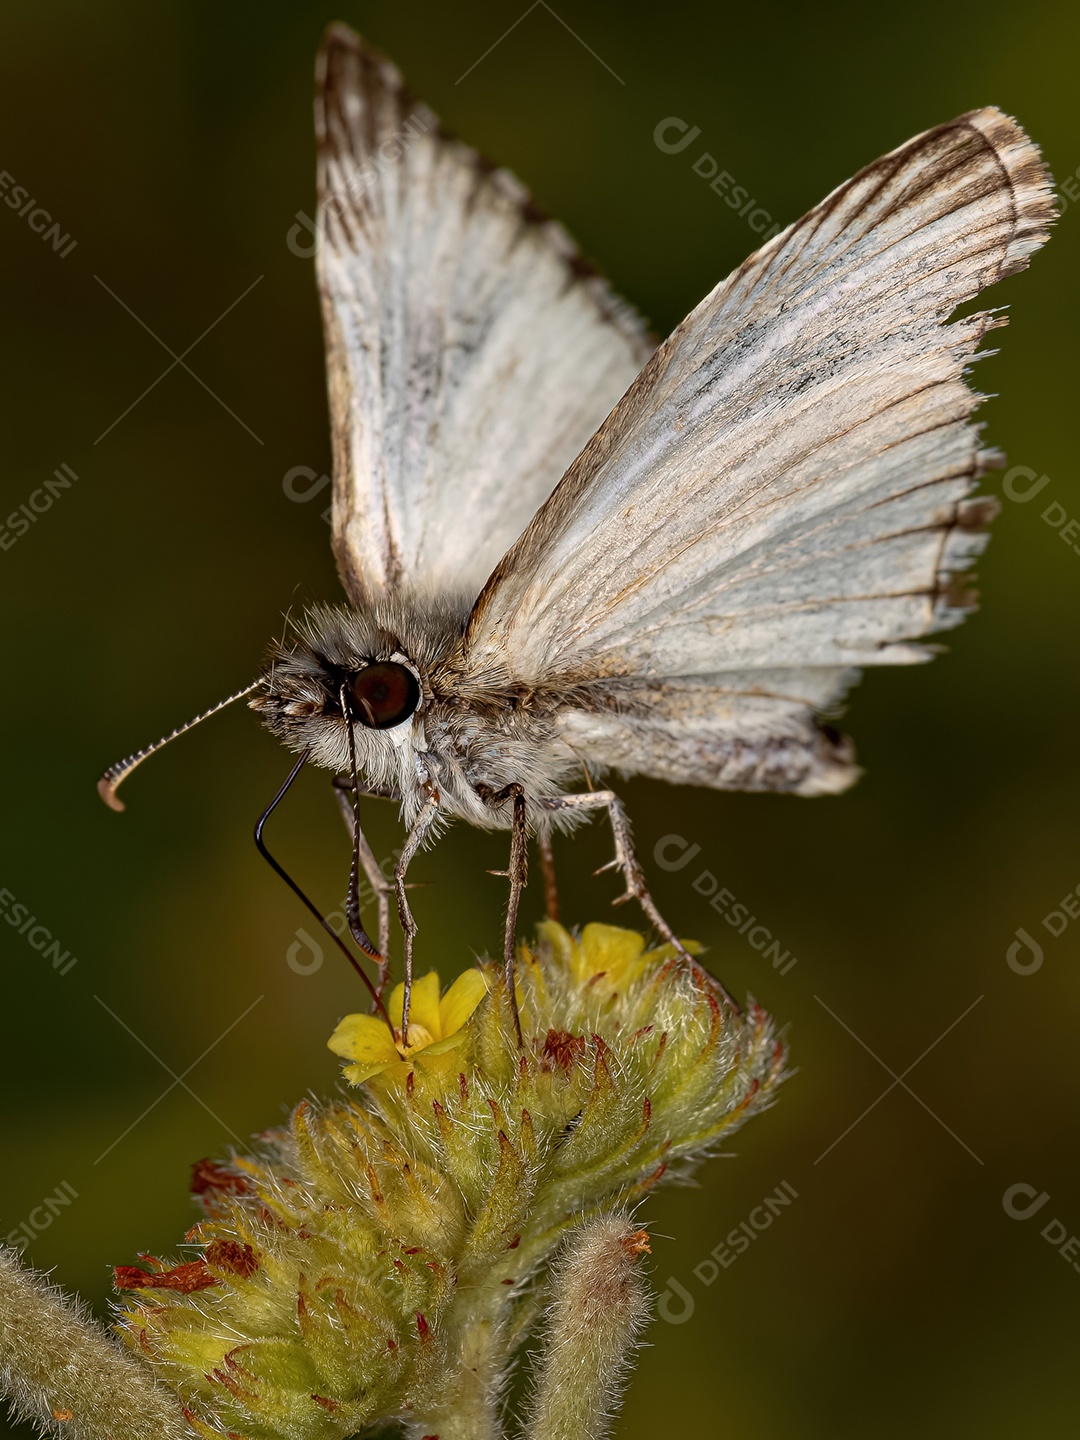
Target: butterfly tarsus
{"x": 362, "y": 851}
{"x": 518, "y": 875}
{"x": 415, "y": 838}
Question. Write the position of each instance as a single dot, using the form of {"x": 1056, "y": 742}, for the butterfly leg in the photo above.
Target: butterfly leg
{"x": 415, "y": 838}
{"x": 626, "y": 860}
{"x": 365, "y": 856}
{"x": 518, "y": 875}
{"x": 547, "y": 865}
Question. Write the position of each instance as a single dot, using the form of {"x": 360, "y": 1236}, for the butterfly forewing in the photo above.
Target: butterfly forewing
{"x": 471, "y": 351}
{"x": 782, "y": 493}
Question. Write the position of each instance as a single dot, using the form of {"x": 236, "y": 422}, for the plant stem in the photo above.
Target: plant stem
{"x": 62, "y": 1371}
{"x": 600, "y": 1304}
{"x": 463, "y": 1404}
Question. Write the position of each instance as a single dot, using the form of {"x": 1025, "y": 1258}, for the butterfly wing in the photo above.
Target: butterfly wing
{"x": 471, "y": 351}
{"x": 782, "y": 495}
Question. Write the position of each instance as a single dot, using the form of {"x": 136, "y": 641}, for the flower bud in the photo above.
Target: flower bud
{"x": 380, "y": 1259}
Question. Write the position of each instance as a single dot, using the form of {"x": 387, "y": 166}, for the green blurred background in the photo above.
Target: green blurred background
{"x": 173, "y": 143}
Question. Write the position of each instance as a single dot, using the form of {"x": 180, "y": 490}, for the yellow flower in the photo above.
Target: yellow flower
{"x": 435, "y": 1026}
{"x": 606, "y": 954}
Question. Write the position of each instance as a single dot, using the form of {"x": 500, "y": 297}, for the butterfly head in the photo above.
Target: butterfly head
{"x": 337, "y": 674}
{"x": 353, "y": 685}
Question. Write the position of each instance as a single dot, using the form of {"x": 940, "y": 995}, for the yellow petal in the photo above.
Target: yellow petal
{"x": 668, "y": 952}
{"x": 443, "y": 1047}
{"x": 391, "y": 1076}
{"x": 424, "y": 1007}
{"x": 566, "y": 950}
{"x": 395, "y": 1005}
{"x": 560, "y": 940}
{"x": 529, "y": 967}
{"x": 365, "y": 1039}
{"x": 423, "y": 1004}
{"x": 357, "y": 1074}
{"x": 461, "y": 1000}
{"x": 442, "y": 1057}
{"x": 419, "y": 1039}
{"x": 610, "y": 949}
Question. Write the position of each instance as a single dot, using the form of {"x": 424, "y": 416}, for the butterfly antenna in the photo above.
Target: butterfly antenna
{"x": 114, "y": 777}
{"x": 279, "y": 869}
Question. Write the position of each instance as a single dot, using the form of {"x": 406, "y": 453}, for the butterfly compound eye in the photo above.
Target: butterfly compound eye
{"x": 384, "y": 695}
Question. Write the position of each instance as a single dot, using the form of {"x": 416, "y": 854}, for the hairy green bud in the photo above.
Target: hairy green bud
{"x": 382, "y": 1260}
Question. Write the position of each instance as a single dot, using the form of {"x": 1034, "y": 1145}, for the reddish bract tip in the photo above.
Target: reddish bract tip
{"x": 185, "y": 1278}
{"x": 230, "y": 1255}
{"x": 206, "y": 1176}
